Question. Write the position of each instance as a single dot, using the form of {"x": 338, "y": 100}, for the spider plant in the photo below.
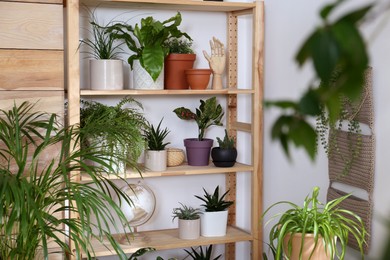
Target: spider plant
{"x": 40, "y": 194}
{"x": 327, "y": 222}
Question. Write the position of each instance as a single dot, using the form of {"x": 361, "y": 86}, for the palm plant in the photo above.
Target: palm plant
{"x": 36, "y": 189}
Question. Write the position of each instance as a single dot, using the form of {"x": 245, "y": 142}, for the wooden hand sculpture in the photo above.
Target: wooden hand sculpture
{"x": 217, "y": 61}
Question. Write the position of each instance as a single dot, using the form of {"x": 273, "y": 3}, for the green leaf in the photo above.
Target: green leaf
{"x": 310, "y": 103}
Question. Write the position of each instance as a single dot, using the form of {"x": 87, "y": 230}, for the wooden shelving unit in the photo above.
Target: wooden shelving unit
{"x": 168, "y": 239}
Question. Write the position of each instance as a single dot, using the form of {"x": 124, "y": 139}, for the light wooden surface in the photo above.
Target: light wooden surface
{"x": 135, "y": 92}
{"x": 31, "y": 26}
{"x": 183, "y": 5}
{"x": 31, "y": 70}
{"x": 49, "y": 101}
{"x": 166, "y": 239}
{"x": 39, "y": 1}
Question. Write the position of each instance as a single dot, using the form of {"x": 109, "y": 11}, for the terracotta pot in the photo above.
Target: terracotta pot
{"x": 198, "y": 152}
{"x": 198, "y": 78}
{"x": 319, "y": 251}
{"x": 174, "y": 67}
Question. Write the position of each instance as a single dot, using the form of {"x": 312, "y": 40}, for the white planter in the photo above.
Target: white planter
{"x": 106, "y": 74}
{"x": 142, "y": 79}
{"x": 156, "y": 160}
{"x": 189, "y": 229}
{"x": 213, "y": 224}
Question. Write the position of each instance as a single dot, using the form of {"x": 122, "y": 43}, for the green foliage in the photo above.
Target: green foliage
{"x": 150, "y": 35}
{"x": 38, "y": 162}
{"x": 334, "y": 46}
{"x": 186, "y": 212}
{"x": 209, "y": 113}
{"x": 201, "y": 255}
{"x": 102, "y": 45}
{"x": 155, "y": 137}
{"x": 179, "y": 46}
{"x": 113, "y": 127}
{"x": 227, "y": 142}
{"x": 215, "y": 202}
{"x": 327, "y": 221}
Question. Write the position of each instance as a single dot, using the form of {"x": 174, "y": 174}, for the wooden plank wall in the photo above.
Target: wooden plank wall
{"x": 32, "y": 56}
{"x": 32, "y": 53}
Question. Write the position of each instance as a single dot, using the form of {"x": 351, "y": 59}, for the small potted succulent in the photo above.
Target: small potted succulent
{"x": 214, "y": 219}
{"x": 314, "y": 230}
{"x": 180, "y": 58}
{"x": 156, "y": 154}
{"x": 202, "y": 255}
{"x": 146, "y": 41}
{"x": 106, "y": 68}
{"x": 226, "y": 154}
{"x": 209, "y": 113}
{"x": 189, "y": 221}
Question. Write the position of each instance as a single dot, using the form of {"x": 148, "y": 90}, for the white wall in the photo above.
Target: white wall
{"x": 288, "y": 23}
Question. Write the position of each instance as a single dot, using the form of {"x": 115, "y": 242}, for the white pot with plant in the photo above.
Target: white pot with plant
{"x": 147, "y": 42}
{"x": 106, "y": 69}
{"x": 214, "y": 218}
{"x": 156, "y": 154}
{"x": 189, "y": 221}
{"x": 316, "y": 230}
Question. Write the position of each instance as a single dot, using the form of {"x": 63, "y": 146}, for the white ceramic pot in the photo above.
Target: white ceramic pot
{"x": 156, "y": 160}
{"x": 106, "y": 74}
{"x": 213, "y": 224}
{"x": 189, "y": 229}
{"x": 142, "y": 79}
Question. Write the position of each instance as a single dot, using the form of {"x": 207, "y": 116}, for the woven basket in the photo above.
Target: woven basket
{"x": 175, "y": 157}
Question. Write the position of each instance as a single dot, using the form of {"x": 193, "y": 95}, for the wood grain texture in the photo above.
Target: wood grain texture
{"x": 39, "y": 1}
{"x": 31, "y": 70}
{"x": 49, "y": 101}
{"x": 31, "y": 26}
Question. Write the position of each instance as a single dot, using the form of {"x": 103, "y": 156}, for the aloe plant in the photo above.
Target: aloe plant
{"x": 38, "y": 185}
{"x": 186, "y": 212}
{"x": 227, "y": 142}
{"x": 214, "y": 202}
{"x": 202, "y": 255}
{"x": 155, "y": 137}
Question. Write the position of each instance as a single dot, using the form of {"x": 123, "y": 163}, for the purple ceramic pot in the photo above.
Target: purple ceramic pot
{"x": 198, "y": 152}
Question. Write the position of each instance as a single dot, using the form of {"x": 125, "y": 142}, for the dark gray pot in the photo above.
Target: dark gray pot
{"x": 224, "y": 157}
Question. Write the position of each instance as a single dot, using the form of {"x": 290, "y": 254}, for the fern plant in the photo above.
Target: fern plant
{"x": 186, "y": 212}
{"x": 155, "y": 137}
{"x": 215, "y": 202}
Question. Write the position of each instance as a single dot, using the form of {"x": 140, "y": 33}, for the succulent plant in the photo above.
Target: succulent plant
{"x": 214, "y": 202}
{"x": 186, "y": 212}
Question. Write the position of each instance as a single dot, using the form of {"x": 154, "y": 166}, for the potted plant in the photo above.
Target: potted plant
{"x": 226, "y": 154}
{"x": 209, "y": 113}
{"x": 106, "y": 68}
{"x": 180, "y": 58}
{"x": 147, "y": 42}
{"x": 38, "y": 160}
{"x": 312, "y": 231}
{"x": 214, "y": 219}
{"x": 123, "y": 139}
{"x": 202, "y": 255}
{"x": 189, "y": 221}
{"x": 156, "y": 154}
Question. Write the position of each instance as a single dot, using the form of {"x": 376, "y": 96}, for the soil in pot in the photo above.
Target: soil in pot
{"x": 174, "y": 70}
{"x": 198, "y": 79}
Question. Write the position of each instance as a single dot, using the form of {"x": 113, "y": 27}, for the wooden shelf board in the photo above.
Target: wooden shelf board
{"x": 166, "y": 239}
{"x": 135, "y": 92}
{"x": 182, "y": 170}
{"x": 180, "y": 5}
